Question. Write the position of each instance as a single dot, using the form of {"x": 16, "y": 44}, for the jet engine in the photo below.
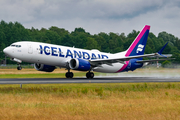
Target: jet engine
{"x": 45, "y": 68}
{"x": 79, "y": 64}
{"x": 134, "y": 65}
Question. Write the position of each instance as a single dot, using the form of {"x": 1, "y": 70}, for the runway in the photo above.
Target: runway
{"x": 84, "y": 80}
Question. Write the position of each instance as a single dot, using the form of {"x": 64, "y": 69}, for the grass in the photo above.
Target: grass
{"x": 91, "y": 101}
{"x": 129, "y": 101}
{"x": 47, "y": 75}
{"x": 32, "y": 73}
{"x": 14, "y": 66}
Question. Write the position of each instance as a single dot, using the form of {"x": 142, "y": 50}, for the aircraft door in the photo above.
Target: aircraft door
{"x": 30, "y": 49}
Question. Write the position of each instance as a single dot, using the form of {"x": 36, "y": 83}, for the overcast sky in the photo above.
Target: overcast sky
{"x": 95, "y": 16}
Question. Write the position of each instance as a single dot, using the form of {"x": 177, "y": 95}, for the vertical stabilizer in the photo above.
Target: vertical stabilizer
{"x": 139, "y": 44}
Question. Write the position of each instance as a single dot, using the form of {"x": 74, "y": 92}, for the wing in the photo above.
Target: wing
{"x": 123, "y": 60}
{"x": 120, "y": 60}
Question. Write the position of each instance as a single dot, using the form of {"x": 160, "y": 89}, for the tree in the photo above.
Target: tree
{"x": 167, "y": 37}
{"x": 133, "y": 34}
{"x": 67, "y": 41}
{"x": 112, "y": 42}
{"x": 2, "y": 37}
{"x": 127, "y": 43}
{"x": 2, "y": 46}
{"x": 177, "y": 57}
{"x": 151, "y": 45}
{"x": 165, "y": 63}
{"x": 79, "y": 30}
{"x": 91, "y": 44}
{"x": 60, "y": 31}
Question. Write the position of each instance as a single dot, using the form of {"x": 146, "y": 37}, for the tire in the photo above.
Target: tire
{"x": 19, "y": 68}
{"x": 69, "y": 75}
{"x": 89, "y": 75}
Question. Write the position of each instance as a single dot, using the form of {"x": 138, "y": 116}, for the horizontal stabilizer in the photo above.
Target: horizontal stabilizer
{"x": 160, "y": 56}
{"x": 153, "y": 60}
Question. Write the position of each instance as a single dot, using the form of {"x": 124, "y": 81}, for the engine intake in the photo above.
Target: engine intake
{"x": 45, "y": 68}
{"x": 79, "y": 64}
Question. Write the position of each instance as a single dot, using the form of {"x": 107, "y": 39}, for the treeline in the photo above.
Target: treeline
{"x": 106, "y": 42}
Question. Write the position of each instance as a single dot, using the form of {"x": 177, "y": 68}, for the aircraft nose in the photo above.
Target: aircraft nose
{"x": 6, "y": 50}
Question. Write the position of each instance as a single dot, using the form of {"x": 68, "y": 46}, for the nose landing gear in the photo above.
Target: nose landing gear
{"x": 19, "y": 67}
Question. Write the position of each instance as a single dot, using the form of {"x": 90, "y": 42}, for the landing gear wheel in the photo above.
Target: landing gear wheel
{"x": 69, "y": 75}
{"x": 19, "y": 68}
{"x": 90, "y": 75}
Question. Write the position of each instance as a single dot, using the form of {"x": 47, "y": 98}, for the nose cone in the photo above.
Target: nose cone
{"x": 6, "y": 50}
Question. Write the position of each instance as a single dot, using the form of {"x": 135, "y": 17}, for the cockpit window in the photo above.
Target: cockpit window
{"x": 16, "y": 46}
{"x": 13, "y": 45}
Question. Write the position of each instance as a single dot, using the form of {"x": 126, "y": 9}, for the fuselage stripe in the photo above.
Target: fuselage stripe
{"x": 124, "y": 67}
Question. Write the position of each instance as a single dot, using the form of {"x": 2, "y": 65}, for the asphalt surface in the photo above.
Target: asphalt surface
{"x": 84, "y": 80}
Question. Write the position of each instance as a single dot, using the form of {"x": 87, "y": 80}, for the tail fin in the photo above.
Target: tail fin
{"x": 139, "y": 44}
{"x": 161, "y": 50}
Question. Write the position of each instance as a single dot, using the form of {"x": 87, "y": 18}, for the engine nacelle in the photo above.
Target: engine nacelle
{"x": 134, "y": 65}
{"x": 45, "y": 68}
{"x": 79, "y": 64}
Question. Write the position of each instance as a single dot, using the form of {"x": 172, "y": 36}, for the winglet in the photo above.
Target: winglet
{"x": 161, "y": 50}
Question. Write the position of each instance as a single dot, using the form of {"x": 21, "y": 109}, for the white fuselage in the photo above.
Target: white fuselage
{"x": 56, "y": 55}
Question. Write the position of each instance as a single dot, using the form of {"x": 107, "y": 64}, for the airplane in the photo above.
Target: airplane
{"x": 47, "y": 57}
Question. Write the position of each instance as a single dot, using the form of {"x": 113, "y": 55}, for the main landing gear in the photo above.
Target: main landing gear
{"x": 19, "y": 67}
{"x": 89, "y": 74}
{"x": 69, "y": 74}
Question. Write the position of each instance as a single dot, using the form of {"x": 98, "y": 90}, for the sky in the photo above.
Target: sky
{"x": 95, "y": 16}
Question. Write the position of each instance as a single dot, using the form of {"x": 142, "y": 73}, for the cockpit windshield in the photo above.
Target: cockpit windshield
{"x": 13, "y": 45}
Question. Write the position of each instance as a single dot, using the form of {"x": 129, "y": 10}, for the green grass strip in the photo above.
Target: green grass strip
{"x": 48, "y": 75}
{"x": 83, "y": 88}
